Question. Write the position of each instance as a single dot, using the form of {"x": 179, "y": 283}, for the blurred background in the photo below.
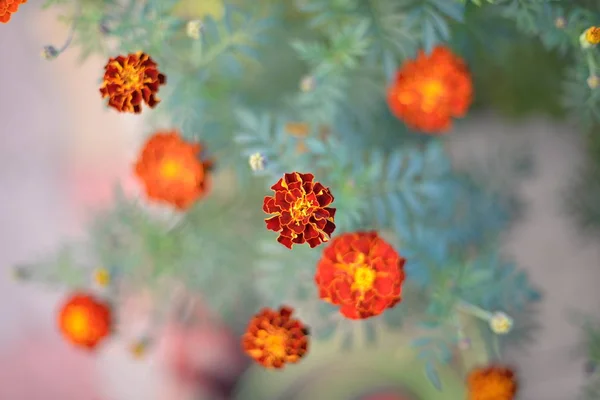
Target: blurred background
{"x": 61, "y": 152}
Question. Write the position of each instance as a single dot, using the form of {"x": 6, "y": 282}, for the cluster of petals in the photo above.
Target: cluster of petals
{"x": 8, "y": 8}
{"x": 493, "y": 382}
{"x": 172, "y": 170}
{"x": 300, "y": 210}
{"x": 431, "y": 90}
{"x": 361, "y": 273}
{"x": 85, "y": 321}
{"x": 130, "y": 81}
{"x": 273, "y": 338}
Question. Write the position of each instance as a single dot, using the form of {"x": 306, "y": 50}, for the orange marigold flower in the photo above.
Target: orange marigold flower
{"x": 172, "y": 170}
{"x": 492, "y": 383}
{"x": 361, "y": 273}
{"x": 130, "y": 80}
{"x": 273, "y": 338}
{"x": 300, "y": 209}
{"x": 592, "y": 35}
{"x": 85, "y": 321}
{"x": 430, "y": 90}
{"x": 9, "y": 7}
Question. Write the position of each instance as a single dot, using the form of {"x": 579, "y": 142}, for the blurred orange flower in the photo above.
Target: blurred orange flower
{"x": 361, "y": 273}
{"x": 130, "y": 80}
{"x": 430, "y": 90}
{"x": 493, "y": 382}
{"x": 85, "y": 321}
{"x": 300, "y": 210}
{"x": 9, "y": 7}
{"x": 172, "y": 171}
{"x": 274, "y": 338}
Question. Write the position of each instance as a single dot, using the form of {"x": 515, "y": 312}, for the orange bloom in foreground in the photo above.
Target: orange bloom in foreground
{"x": 274, "y": 338}
{"x": 130, "y": 80}
{"x": 300, "y": 210}
{"x": 492, "y": 383}
{"x": 172, "y": 170}
{"x": 431, "y": 90}
{"x": 361, "y": 273}
{"x": 9, "y": 7}
{"x": 85, "y": 321}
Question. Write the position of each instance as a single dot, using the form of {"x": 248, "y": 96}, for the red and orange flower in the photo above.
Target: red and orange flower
{"x": 274, "y": 338}
{"x": 300, "y": 210}
{"x": 9, "y": 7}
{"x": 130, "y": 81}
{"x": 172, "y": 170}
{"x": 85, "y": 321}
{"x": 361, "y": 273}
{"x": 431, "y": 90}
{"x": 493, "y": 382}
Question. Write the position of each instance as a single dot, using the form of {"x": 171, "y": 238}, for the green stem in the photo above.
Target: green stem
{"x": 478, "y": 312}
{"x": 591, "y": 63}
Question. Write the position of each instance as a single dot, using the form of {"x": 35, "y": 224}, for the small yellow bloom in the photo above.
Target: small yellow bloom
{"x": 593, "y": 81}
{"x": 193, "y": 29}
{"x": 102, "y": 277}
{"x": 560, "y": 22}
{"x": 307, "y": 84}
{"x": 257, "y": 162}
{"x": 500, "y": 323}
{"x": 139, "y": 348}
{"x": 590, "y": 37}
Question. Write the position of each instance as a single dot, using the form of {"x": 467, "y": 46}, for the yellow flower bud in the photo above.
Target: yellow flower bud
{"x": 307, "y": 84}
{"x": 593, "y": 81}
{"x": 102, "y": 277}
{"x": 193, "y": 29}
{"x": 590, "y": 37}
{"x": 500, "y": 323}
{"x": 257, "y": 162}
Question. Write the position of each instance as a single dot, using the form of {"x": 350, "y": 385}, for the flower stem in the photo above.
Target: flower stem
{"x": 478, "y": 312}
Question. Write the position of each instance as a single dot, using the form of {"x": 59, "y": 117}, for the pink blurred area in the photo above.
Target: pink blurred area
{"x": 61, "y": 152}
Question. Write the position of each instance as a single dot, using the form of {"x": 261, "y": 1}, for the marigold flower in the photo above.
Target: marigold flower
{"x": 172, "y": 170}
{"x": 9, "y": 7}
{"x": 130, "y": 80}
{"x": 361, "y": 273}
{"x": 592, "y": 35}
{"x": 492, "y": 383}
{"x": 274, "y": 338}
{"x": 300, "y": 210}
{"x": 85, "y": 321}
{"x": 431, "y": 90}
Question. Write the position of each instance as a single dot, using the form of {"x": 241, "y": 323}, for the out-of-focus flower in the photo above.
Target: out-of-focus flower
{"x": 431, "y": 90}
{"x": 21, "y": 272}
{"x": 9, "y": 7}
{"x": 85, "y": 321}
{"x": 139, "y": 348}
{"x": 500, "y": 323}
{"x": 361, "y": 273}
{"x": 308, "y": 84}
{"x": 49, "y": 53}
{"x": 130, "y": 81}
{"x": 102, "y": 277}
{"x": 274, "y": 338}
{"x": 172, "y": 171}
{"x": 297, "y": 129}
{"x": 493, "y": 382}
{"x": 257, "y": 162}
{"x": 300, "y": 211}
{"x": 560, "y": 22}
{"x": 193, "y": 29}
{"x": 593, "y": 81}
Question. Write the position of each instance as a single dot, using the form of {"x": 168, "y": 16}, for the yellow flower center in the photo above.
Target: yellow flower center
{"x": 275, "y": 345}
{"x": 130, "y": 76}
{"x": 77, "y": 323}
{"x": 172, "y": 169}
{"x": 364, "y": 277}
{"x": 300, "y": 209}
{"x": 431, "y": 91}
